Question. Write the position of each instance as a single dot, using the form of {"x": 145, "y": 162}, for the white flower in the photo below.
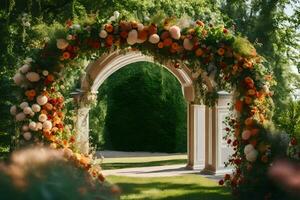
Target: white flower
{"x": 32, "y": 126}
{"x": 61, "y": 43}
{"x": 175, "y": 32}
{"x": 266, "y": 89}
{"x": 252, "y": 156}
{"x": 27, "y": 24}
{"x": 28, "y": 60}
{"x": 25, "y": 68}
{"x": 31, "y": 114}
{"x": 248, "y": 148}
{"x": 75, "y": 26}
{"x": 47, "y": 125}
{"x": 24, "y": 105}
{"x": 140, "y": 26}
{"x": 154, "y": 38}
{"x": 45, "y": 73}
{"x": 103, "y": 34}
{"x": 13, "y": 110}
{"x": 39, "y": 126}
{"x": 27, "y": 110}
{"x": 18, "y": 78}
{"x": 132, "y": 37}
{"x": 41, "y": 100}
{"x": 27, "y": 136}
{"x": 43, "y": 118}
{"x": 69, "y": 37}
{"x": 33, "y": 76}
{"x": 116, "y": 14}
{"x": 25, "y": 128}
{"x": 246, "y": 134}
{"x": 188, "y": 44}
{"x": 20, "y": 117}
{"x": 112, "y": 18}
{"x": 36, "y": 108}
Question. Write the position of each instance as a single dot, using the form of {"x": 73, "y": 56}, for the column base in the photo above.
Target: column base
{"x": 216, "y": 172}
{"x": 194, "y": 167}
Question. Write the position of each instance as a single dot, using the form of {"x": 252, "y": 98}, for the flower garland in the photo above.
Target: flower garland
{"x": 229, "y": 59}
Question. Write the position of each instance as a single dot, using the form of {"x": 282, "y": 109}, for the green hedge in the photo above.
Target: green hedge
{"x": 146, "y": 110}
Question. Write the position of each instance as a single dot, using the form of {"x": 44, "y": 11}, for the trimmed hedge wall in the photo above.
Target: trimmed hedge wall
{"x": 146, "y": 110}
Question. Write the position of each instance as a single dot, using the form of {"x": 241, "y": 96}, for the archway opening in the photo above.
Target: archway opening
{"x": 140, "y": 108}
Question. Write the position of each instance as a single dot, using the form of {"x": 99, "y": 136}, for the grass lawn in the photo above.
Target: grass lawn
{"x": 127, "y": 162}
{"x": 187, "y": 187}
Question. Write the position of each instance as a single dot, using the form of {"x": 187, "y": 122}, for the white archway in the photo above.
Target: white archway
{"x": 205, "y": 148}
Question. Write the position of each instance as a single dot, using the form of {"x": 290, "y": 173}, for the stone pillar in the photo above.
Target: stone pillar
{"x": 196, "y": 136}
{"x": 82, "y": 129}
{"x": 217, "y": 151}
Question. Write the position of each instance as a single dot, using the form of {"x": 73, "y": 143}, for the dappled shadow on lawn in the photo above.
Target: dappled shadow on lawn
{"x": 122, "y": 165}
{"x": 172, "y": 191}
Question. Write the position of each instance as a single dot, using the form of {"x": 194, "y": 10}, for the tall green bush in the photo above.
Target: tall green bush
{"x": 146, "y": 110}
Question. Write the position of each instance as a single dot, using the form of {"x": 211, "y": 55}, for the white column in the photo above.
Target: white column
{"x": 196, "y": 136}
{"x": 82, "y": 129}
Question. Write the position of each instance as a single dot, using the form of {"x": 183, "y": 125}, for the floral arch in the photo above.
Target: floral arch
{"x": 207, "y": 50}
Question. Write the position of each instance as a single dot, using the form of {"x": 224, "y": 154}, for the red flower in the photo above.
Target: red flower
{"x": 237, "y": 161}
{"x": 228, "y": 141}
{"x": 235, "y": 143}
{"x": 69, "y": 23}
{"x": 221, "y": 182}
{"x": 294, "y": 141}
{"x": 227, "y": 177}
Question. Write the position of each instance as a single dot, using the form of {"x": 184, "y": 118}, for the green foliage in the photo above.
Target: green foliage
{"x": 146, "y": 110}
{"x": 289, "y": 120}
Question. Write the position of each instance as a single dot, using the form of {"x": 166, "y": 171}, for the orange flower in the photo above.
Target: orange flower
{"x": 221, "y": 51}
{"x": 44, "y": 112}
{"x": 124, "y": 34}
{"x": 109, "y": 28}
{"x": 165, "y": 35}
{"x": 199, "y": 52}
{"x": 248, "y": 100}
{"x": 238, "y": 105}
{"x": 101, "y": 177}
{"x": 251, "y": 92}
{"x": 30, "y": 93}
{"x": 143, "y": 35}
{"x": 109, "y": 40}
{"x": 168, "y": 42}
{"x": 152, "y": 29}
{"x": 262, "y": 117}
{"x": 50, "y": 78}
{"x": 248, "y": 64}
{"x": 134, "y": 25}
{"x": 249, "y": 121}
{"x": 66, "y": 55}
{"x": 48, "y": 106}
{"x": 175, "y": 46}
{"x": 160, "y": 45}
{"x": 199, "y": 23}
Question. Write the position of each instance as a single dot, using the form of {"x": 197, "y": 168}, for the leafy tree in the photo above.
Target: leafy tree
{"x": 276, "y": 33}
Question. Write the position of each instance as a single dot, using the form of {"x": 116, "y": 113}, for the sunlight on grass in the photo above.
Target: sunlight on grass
{"x": 187, "y": 187}
{"x": 127, "y": 162}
